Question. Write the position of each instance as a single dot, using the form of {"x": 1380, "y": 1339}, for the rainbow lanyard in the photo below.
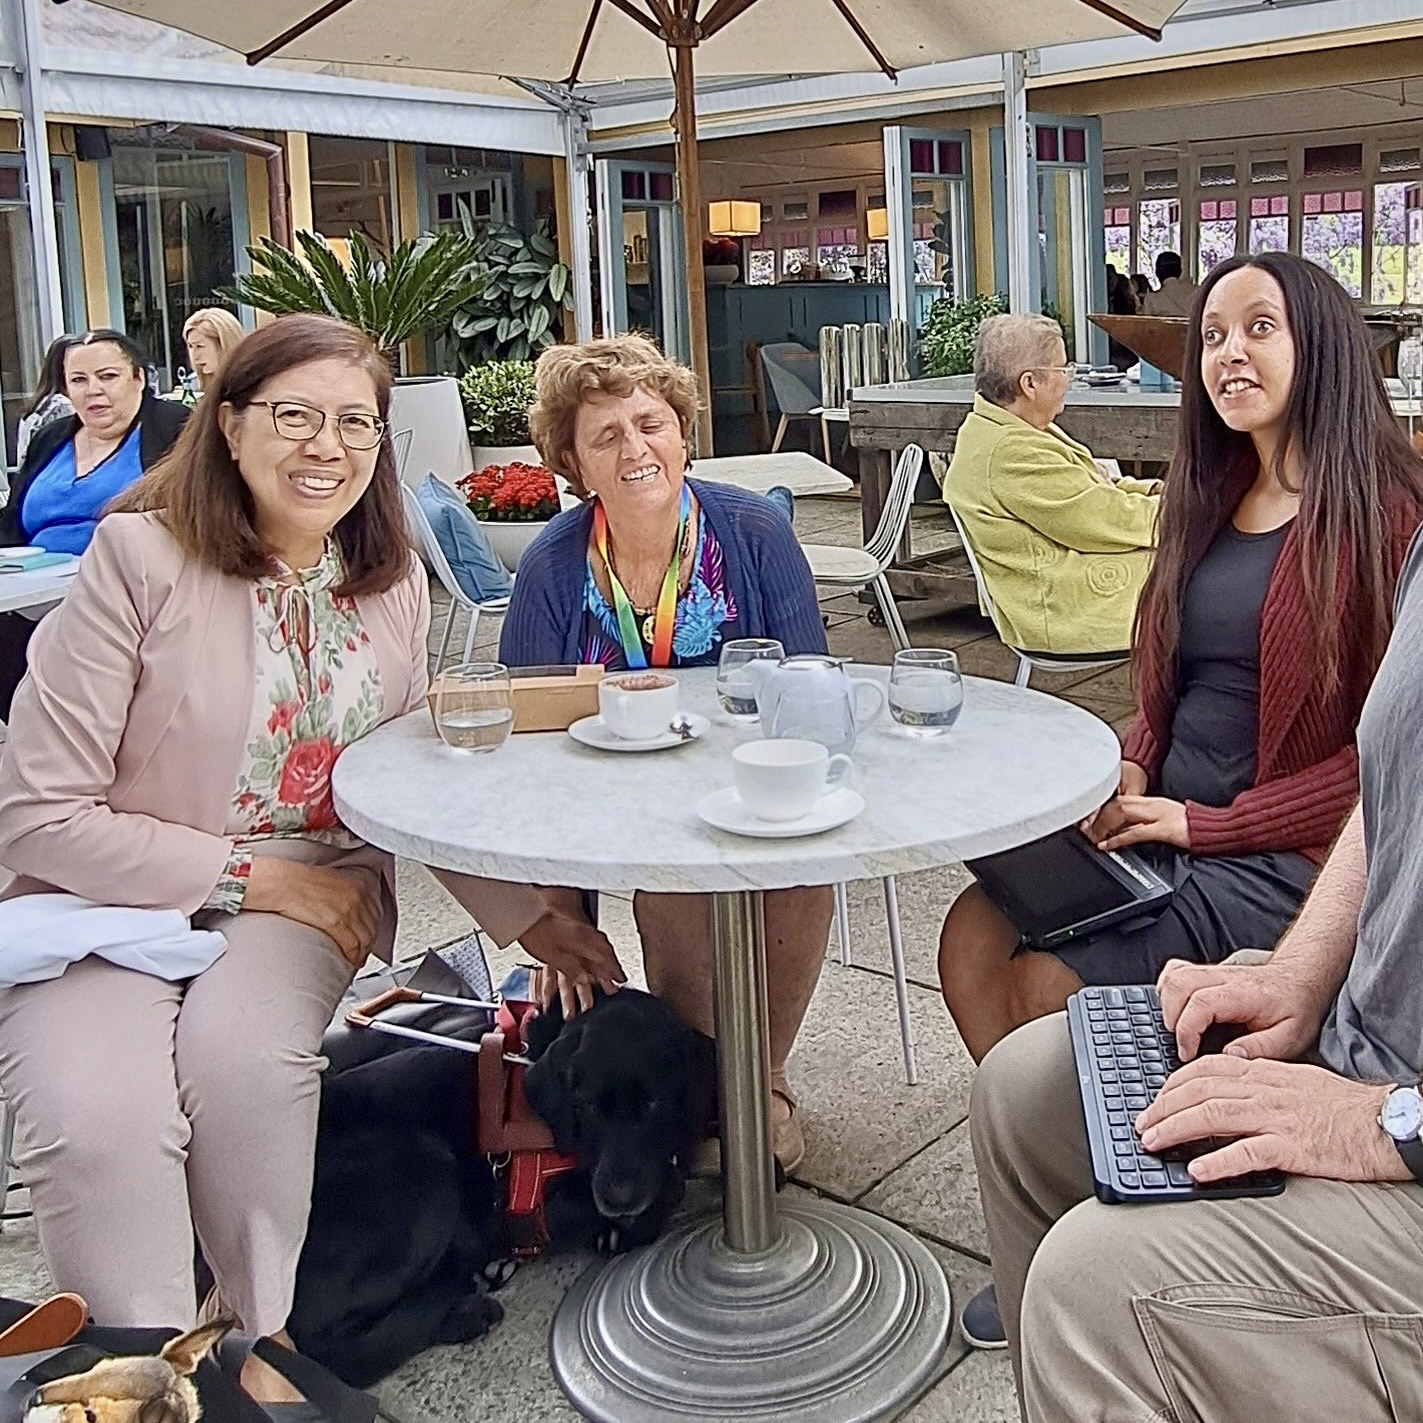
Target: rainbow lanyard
{"x": 664, "y": 621}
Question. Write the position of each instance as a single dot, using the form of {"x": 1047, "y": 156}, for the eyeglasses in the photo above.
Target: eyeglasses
{"x": 295, "y": 421}
{"x": 1054, "y": 370}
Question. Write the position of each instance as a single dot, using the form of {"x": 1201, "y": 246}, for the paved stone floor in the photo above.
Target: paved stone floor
{"x": 899, "y": 1151}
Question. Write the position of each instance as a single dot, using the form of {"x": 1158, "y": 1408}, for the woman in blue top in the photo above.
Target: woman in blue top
{"x": 612, "y": 418}
{"x": 73, "y": 468}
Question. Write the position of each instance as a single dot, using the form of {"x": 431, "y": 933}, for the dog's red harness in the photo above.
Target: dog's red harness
{"x": 516, "y": 1141}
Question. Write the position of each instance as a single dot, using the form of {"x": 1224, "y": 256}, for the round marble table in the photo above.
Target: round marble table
{"x": 776, "y": 1312}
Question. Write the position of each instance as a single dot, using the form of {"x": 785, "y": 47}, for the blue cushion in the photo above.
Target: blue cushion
{"x": 475, "y": 564}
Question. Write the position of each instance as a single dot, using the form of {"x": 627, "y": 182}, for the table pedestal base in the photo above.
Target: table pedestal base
{"x": 780, "y": 1312}
{"x": 842, "y": 1320}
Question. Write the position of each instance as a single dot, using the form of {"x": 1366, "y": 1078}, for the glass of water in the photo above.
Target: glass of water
{"x": 474, "y": 706}
{"x": 735, "y": 684}
{"x": 925, "y": 691}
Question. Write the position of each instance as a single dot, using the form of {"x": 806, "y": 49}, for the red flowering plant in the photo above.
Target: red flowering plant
{"x": 511, "y": 493}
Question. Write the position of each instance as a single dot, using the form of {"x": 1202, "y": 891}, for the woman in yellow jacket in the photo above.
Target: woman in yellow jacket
{"x": 1063, "y": 548}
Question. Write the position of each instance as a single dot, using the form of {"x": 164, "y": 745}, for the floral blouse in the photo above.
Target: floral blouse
{"x": 317, "y": 690}
{"x": 706, "y": 614}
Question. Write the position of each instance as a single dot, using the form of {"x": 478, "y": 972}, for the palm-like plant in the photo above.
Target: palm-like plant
{"x": 424, "y": 282}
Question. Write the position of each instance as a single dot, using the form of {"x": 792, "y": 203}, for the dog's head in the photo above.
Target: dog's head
{"x": 626, "y": 1087}
{"x": 141, "y": 1390}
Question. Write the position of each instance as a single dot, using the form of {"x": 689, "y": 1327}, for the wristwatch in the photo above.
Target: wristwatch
{"x": 1401, "y": 1117}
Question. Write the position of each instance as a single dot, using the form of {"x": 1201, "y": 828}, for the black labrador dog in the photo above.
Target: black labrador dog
{"x": 402, "y": 1236}
{"x": 628, "y": 1088}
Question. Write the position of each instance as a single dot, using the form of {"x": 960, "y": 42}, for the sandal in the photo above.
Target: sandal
{"x": 787, "y": 1138}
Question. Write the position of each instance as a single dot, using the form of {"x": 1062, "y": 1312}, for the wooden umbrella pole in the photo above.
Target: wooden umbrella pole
{"x": 689, "y": 183}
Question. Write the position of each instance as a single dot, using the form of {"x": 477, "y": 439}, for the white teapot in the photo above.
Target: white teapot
{"x": 814, "y": 698}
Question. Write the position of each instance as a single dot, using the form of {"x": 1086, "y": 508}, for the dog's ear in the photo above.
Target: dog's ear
{"x": 188, "y": 1350}
{"x": 542, "y": 1029}
{"x": 548, "y": 1085}
{"x": 700, "y": 1055}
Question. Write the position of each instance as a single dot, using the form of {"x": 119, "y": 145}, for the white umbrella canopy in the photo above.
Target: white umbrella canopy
{"x": 543, "y": 39}
{"x": 594, "y": 41}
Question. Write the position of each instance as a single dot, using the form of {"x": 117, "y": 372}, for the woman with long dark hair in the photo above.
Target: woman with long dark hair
{"x": 48, "y": 402}
{"x": 1286, "y": 514}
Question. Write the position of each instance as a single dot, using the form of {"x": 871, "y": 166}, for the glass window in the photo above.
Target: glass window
{"x": 1158, "y": 230}
{"x": 1116, "y": 183}
{"x": 1269, "y": 229}
{"x": 1397, "y": 272}
{"x": 835, "y": 247}
{"x": 1333, "y": 160}
{"x": 350, "y": 189}
{"x": 877, "y": 262}
{"x": 1217, "y": 175}
{"x": 1400, "y": 160}
{"x": 939, "y": 234}
{"x": 473, "y": 180}
{"x": 1270, "y": 170}
{"x": 1157, "y": 180}
{"x": 173, "y": 210}
{"x": 1215, "y": 233}
{"x": 1332, "y": 235}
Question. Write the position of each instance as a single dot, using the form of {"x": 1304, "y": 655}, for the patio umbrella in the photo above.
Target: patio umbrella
{"x": 592, "y": 41}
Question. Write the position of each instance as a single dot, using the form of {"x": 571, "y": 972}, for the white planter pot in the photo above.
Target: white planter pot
{"x": 431, "y": 409}
{"x": 510, "y": 540}
{"x": 485, "y": 455}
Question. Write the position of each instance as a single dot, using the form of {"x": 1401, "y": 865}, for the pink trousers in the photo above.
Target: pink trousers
{"x": 148, "y": 1112}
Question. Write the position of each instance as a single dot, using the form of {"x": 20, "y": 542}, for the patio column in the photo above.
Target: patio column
{"x": 1016, "y": 138}
{"x": 576, "y": 162}
{"x": 44, "y": 234}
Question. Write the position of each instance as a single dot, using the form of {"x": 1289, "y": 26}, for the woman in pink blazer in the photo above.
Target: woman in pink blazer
{"x": 254, "y": 608}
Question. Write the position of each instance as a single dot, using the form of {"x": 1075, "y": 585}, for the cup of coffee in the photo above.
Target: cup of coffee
{"x": 638, "y": 706}
{"x": 782, "y": 780}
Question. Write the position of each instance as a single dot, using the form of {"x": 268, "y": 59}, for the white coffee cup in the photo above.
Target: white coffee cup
{"x": 783, "y": 779}
{"x": 638, "y": 706}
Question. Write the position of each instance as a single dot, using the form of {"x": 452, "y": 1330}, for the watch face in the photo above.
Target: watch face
{"x": 1402, "y": 1114}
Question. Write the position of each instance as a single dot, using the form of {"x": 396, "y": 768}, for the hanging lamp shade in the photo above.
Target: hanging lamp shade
{"x": 877, "y": 224}
{"x": 734, "y": 219}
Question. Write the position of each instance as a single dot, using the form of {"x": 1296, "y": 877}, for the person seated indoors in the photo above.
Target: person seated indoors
{"x": 1174, "y": 294}
{"x": 1286, "y": 515}
{"x": 1064, "y": 550}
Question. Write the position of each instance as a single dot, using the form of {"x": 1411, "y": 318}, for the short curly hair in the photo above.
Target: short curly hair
{"x": 567, "y": 375}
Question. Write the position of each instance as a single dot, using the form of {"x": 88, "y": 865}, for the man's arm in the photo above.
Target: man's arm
{"x": 1280, "y": 1004}
{"x": 1320, "y": 944}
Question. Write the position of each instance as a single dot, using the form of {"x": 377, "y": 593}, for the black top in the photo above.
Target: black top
{"x": 158, "y": 421}
{"x": 1211, "y": 758}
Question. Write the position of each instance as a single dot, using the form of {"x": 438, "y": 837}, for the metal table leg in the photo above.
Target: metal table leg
{"x": 780, "y": 1311}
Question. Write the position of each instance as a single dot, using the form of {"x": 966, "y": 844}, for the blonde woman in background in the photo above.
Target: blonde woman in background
{"x": 211, "y": 335}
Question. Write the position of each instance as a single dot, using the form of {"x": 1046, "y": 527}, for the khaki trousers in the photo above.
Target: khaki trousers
{"x": 1303, "y": 1306}
{"x": 149, "y": 1111}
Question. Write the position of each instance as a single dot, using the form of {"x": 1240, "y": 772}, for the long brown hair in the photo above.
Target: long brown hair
{"x": 1356, "y": 467}
{"x": 200, "y": 495}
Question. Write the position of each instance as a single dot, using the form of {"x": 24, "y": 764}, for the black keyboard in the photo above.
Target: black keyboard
{"x": 1123, "y": 1053}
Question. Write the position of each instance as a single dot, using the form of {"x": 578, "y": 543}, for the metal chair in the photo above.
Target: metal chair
{"x": 866, "y": 568}
{"x": 1030, "y": 662}
{"x": 896, "y": 958}
{"x": 429, "y": 547}
{"x": 794, "y": 373}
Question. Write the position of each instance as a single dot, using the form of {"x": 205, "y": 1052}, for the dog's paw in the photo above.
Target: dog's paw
{"x": 610, "y": 1240}
{"x": 472, "y": 1318}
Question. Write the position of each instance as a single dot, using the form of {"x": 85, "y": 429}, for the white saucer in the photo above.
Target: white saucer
{"x": 592, "y": 731}
{"x": 724, "y": 810}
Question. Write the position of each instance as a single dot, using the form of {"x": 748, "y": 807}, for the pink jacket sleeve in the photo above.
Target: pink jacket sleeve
{"x": 58, "y": 768}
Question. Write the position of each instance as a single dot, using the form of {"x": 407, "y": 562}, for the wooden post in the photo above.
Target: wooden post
{"x": 689, "y": 182}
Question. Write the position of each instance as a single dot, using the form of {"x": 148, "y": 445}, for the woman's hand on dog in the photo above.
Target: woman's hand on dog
{"x": 577, "y": 958}
{"x": 342, "y": 904}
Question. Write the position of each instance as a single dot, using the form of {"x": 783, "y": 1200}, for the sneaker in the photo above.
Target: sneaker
{"x": 980, "y": 1321}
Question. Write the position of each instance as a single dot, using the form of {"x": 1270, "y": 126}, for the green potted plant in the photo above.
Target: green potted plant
{"x": 418, "y": 288}
{"x": 518, "y": 308}
{"x": 951, "y": 329}
{"x": 497, "y": 397}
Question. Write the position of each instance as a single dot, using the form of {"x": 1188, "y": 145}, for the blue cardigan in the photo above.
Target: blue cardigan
{"x": 766, "y": 572}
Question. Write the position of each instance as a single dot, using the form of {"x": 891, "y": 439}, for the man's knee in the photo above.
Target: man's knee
{"x": 1020, "y": 1084}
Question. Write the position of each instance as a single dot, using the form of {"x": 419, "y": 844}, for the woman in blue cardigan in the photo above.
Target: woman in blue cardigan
{"x": 656, "y": 569}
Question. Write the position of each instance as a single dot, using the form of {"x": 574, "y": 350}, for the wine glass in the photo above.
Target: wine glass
{"x": 925, "y": 691}
{"x": 474, "y": 706}
{"x": 735, "y": 684}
